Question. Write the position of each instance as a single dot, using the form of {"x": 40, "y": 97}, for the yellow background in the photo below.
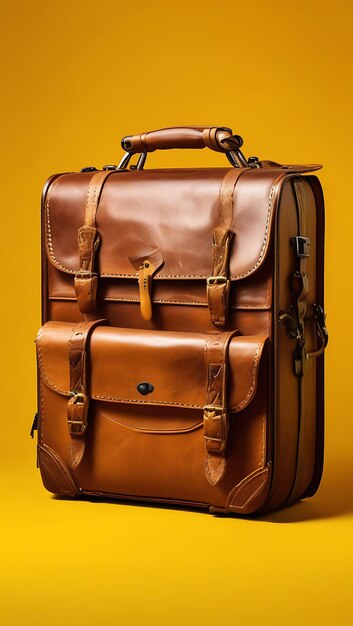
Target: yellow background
{"x": 76, "y": 76}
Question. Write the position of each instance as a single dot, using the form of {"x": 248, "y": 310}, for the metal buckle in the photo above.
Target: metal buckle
{"x": 82, "y": 274}
{"x": 78, "y": 431}
{"x": 220, "y": 436}
{"x": 216, "y": 280}
{"x": 78, "y": 427}
{"x": 321, "y": 330}
{"x": 301, "y": 245}
{"x": 214, "y": 408}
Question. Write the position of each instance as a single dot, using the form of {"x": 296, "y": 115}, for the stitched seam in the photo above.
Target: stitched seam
{"x": 232, "y": 409}
{"x": 45, "y": 465}
{"x": 261, "y": 307}
{"x": 150, "y": 431}
{"x": 233, "y": 492}
{"x": 158, "y": 402}
{"x": 60, "y": 463}
{"x": 237, "y": 276}
{"x": 253, "y": 381}
{"x": 41, "y": 434}
{"x": 41, "y": 366}
{"x": 240, "y": 405}
{"x": 76, "y": 459}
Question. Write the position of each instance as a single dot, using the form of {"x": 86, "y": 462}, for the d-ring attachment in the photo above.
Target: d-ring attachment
{"x": 126, "y": 160}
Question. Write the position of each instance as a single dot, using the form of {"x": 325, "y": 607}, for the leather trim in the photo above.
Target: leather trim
{"x": 250, "y": 494}
{"x": 55, "y": 473}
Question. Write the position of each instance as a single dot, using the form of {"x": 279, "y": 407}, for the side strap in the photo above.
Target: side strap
{"x": 300, "y": 280}
{"x": 86, "y": 280}
{"x": 218, "y": 284}
{"x": 215, "y": 414}
{"x": 301, "y": 284}
{"x": 77, "y": 408}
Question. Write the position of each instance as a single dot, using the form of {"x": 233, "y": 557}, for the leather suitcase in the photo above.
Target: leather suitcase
{"x": 180, "y": 358}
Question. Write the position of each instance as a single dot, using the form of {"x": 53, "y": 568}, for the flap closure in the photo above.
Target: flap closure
{"x": 175, "y": 211}
{"x": 149, "y": 367}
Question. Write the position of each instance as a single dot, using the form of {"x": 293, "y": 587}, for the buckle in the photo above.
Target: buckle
{"x": 213, "y": 408}
{"x": 85, "y": 274}
{"x": 215, "y": 428}
{"x": 216, "y": 280}
{"x": 77, "y": 408}
{"x": 301, "y": 245}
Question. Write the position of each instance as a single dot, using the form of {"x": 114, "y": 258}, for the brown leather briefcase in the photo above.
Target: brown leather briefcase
{"x": 181, "y": 354}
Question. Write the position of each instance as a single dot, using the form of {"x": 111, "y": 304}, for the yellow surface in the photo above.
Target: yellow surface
{"x": 76, "y": 77}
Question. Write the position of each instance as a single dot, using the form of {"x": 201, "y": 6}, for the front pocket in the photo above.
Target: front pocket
{"x": 147, "y": 392}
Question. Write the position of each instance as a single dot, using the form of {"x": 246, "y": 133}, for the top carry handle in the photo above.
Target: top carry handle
{"x": 218, "y": 138}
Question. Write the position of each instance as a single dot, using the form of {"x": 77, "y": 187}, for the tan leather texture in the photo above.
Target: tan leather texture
{"x": 191, "y": 137}
{"x": 181, "y": 353}
{"x": 163, "y": 428}
{"x": 187, "y": 246}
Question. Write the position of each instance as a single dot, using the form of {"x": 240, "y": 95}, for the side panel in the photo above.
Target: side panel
{"x": 295, "y": 439}
{"x": 320, "y": 361}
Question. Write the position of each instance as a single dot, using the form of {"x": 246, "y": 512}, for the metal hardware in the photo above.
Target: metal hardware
{"x": 78, "y": 427}
{"x": 301, "y": 245}
{"x": 127, "y": 158}
{"x": 142, "y": 160}
{"x": 300, "y": 357}
{"x": 126, "y": 144}
{"x": 89, "y": 169}
{"x": 320, "y": 319}
{"x": 124, "y": 161}
{"x": 231, "y": 158}
{"x": 214, "y": 408}
{"x": 85, "y": 274}
{"x": 219, "y": 413}
{"x": 75, "y": 430}
{"x": 145, "y": 388}
{"x": 140, "y": 163}
{"x": 235, "y": 142}
{"x": 233, "y": 154}
{"x": 34, "y": 425}
{"x": 295, "y": 331}
{"x": 321, "y": 330}
{"x": 254, "y": 162}
{"x": 110, "y": 167}
{"x": 216, "y": 280}
{"x": 289, "y": 321}
{"x": 80, "y": 397}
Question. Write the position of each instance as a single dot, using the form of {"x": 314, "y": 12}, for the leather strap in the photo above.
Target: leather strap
{"x": 300, "y": 355}
{"x": 215, "y": 414}
{"x": 86, "y": 280}
{"x": 77, "y": 408}
{"x": 218, "y": 284}
{"x": 188, "y": 137}
{"x": 300, "y": 281}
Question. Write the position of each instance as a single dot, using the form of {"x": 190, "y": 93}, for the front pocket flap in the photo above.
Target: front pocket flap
{"x": 169, "y": 366}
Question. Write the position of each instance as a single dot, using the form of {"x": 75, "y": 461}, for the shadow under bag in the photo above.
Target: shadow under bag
{"x": 181, "y": 354}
